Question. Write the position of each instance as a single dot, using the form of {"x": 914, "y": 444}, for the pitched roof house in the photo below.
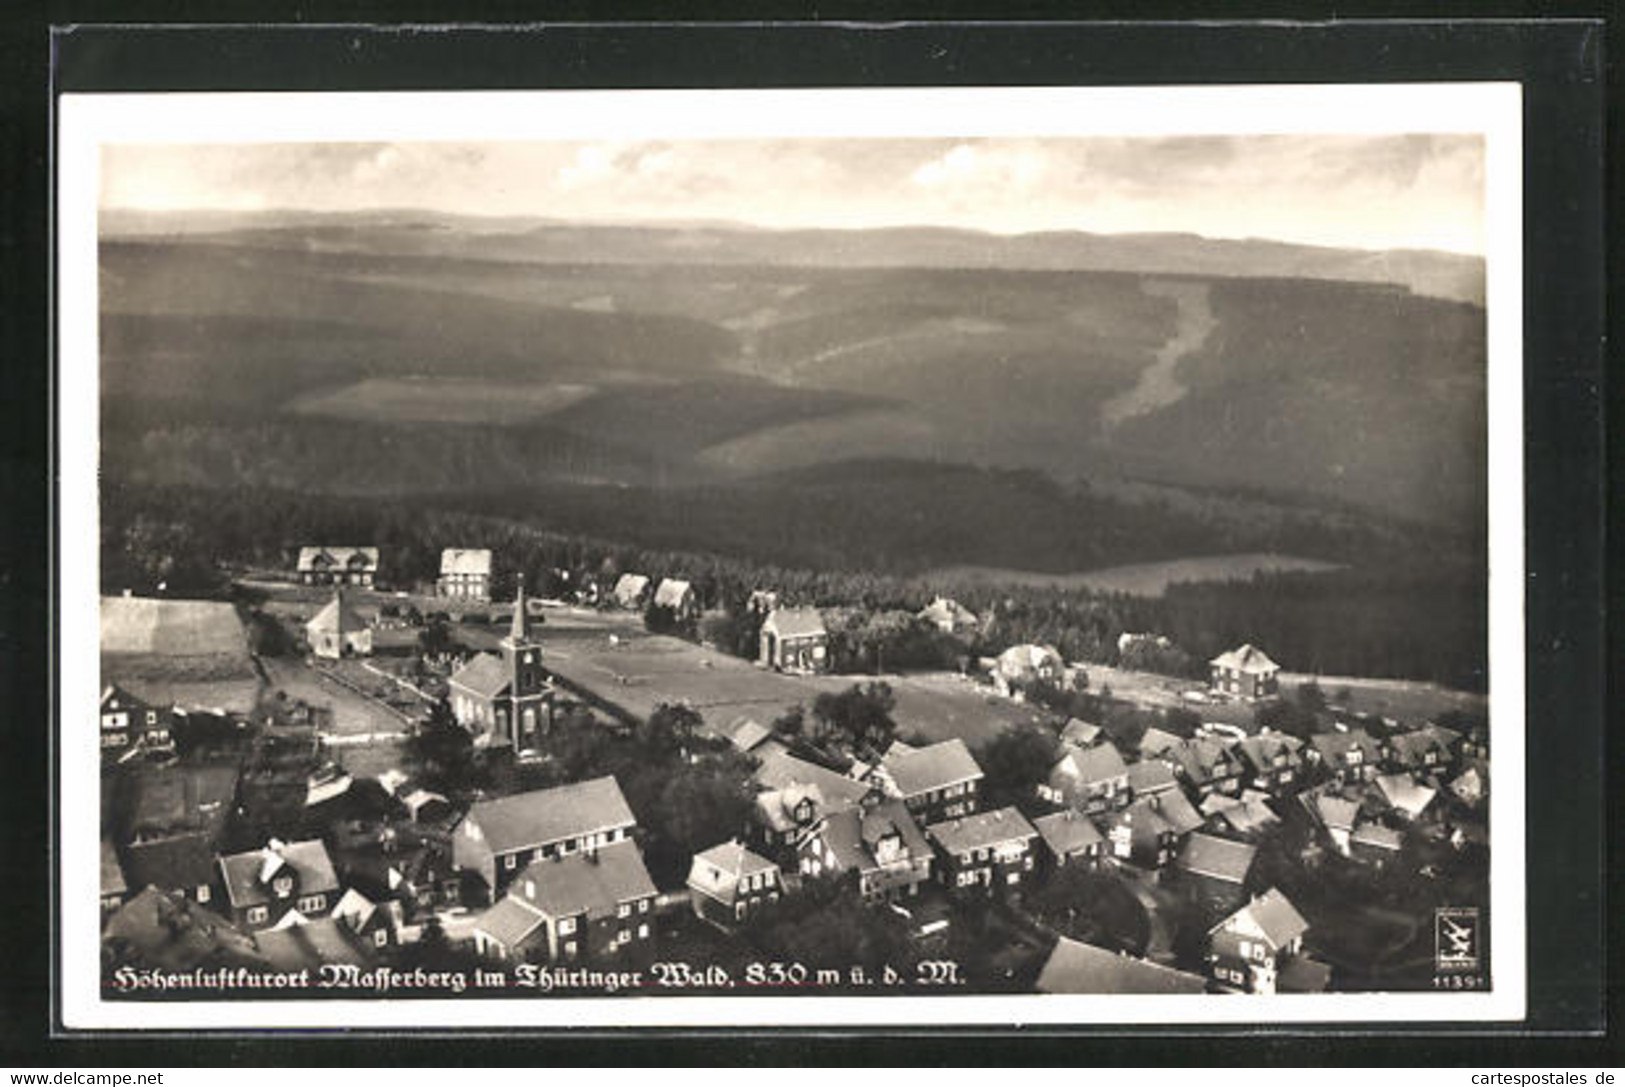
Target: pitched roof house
{"x": 728, "y": 882}
{"x": 1149, "y": 777}
{"x": 1156, "y": 741}
{"x": 1088, "y": 778}
{"x": 499, "y": 836}
{"x": 1022, "y": 665}
{"x": 878, "y": 840}
{"x": 1075, "y": 967}
{"x": 465, "y": 573}
{"x": 1244, "y": 672}
{"x": 569, "y": 907}
{"x": 264, "y": 884}
{"x": 631, "y": 590}
{"x": 1270, "y": 760}
{"x": 949, "y": 616}
{"x": 1207, "y": 764}
{"x": 168, "y": 932}
{"x": 338, "y": 565}
{"x": 1248, "y": 949}
{"x": 1147, "y": 832}
{"x": 679, "y": 596}
{"x": 338, "y": 630}
{"x": 1070, "y": 836}
{"x": 1423, "y": 750}
{"x": 1405, "y": 795}
{"x": 936, "y": 782}
{"x": 1217, "y": 870}
{"x": 1353, "y": 753}
{"x": 794, "y": 640}
{"x": 988, "y": 850}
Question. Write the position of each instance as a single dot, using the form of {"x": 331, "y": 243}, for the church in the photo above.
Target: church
{"x": 504, "y": 698}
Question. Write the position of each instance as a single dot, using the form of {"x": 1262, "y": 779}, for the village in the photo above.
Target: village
{"x": 336, "y": 772}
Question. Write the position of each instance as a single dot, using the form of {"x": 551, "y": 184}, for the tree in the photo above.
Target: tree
{"x": 444, "y": 749}
{"x": 1015, "y": 761}
{"x": 435, "y": 639}
{"x": 858, "y": 717}
{"x": 671, "y": 727}
{"x": 1311, "y": 697}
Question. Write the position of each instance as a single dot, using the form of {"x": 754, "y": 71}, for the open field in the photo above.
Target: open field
{"x": 442, "y": 400}
{"x": 1146, "y": 579}
{"x": 353, "y": 714}
{"x": 1403, "y": 700}
{"x": 643, "y": 670}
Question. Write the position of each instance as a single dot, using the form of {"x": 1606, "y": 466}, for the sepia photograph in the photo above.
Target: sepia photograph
{"x": 1030, "y": 555}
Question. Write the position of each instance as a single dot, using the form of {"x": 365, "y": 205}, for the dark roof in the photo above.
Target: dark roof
{"x": 851, "y": 833}
{"x": 1151, "y": 775}
{"x": 795, "y": 622}
{"x": 325, "y": 558}
{"x": 169, "y": 932}
{"x": 247, "y": 875}
{"x": 309, "y": 946}
{"x": 179, "y": 863}
{"x": 1217, "y": 858}
{"x": 1067, "y": 832}
{"x": 1304, "y": 975}
{"x": 1203, "y": 758}
{"x": 1337, "y": 744}
{"x": 544, "y": 816}
{"x": 921, "y": 770}
{"x": 1075, "y": 967}
{"x": 510, "y": 922}
{"x": 779, "y": 769}
{"x": 982, "y": 830}
{"x": 592, "y": 883}
{"x": 174, "y": 799}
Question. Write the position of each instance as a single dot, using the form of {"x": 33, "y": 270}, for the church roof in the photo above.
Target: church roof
{"x": 486, "y": 675}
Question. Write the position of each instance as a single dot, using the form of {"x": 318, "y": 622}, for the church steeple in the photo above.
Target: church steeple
{"x": 519, "y": 634}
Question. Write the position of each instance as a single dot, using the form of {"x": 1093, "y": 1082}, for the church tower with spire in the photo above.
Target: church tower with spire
{"x": 527, "y": 682}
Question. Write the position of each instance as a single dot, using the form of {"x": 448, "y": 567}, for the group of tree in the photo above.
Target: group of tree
{"x": 1415, "y": 614}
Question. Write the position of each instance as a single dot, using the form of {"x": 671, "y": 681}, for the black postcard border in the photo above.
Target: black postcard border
{"x": 1560, "y": 64}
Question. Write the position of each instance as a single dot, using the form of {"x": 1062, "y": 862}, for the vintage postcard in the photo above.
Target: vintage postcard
{"x": 850, "y": 557}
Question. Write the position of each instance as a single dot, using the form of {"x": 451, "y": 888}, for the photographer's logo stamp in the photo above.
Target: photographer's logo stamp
{"x": 1455, "y": 938}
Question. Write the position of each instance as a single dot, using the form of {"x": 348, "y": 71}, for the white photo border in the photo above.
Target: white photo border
{"x": 86, "y": 122}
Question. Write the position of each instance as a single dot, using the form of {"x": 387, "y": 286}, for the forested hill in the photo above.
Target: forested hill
{"x": 1410, "y": 614}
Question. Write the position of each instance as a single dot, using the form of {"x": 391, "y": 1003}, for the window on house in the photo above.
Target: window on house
{"x": 739, "y": 911}
{"x": 312, "y": 903}
{"x": 643, "y": 932}
{"x": 510, "y": 862}
{"x": 380, "y": 938}
{"x": 282, "y": 885}
{"x": 256, "y": 914}
{"x": 202, "y": 893}
{"x": 643, "y": 905}
{"x": 567, "y": 926}
{"x": 624, "y": 910}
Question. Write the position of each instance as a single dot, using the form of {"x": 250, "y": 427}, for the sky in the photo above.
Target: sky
{"x": 1368, "y": 192}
